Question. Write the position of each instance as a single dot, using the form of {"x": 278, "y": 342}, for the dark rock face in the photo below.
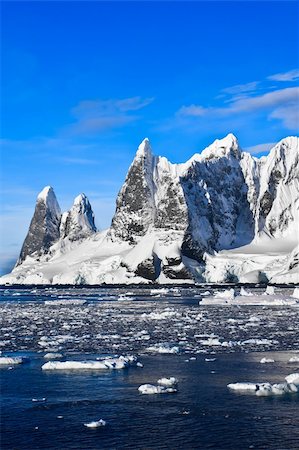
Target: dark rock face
{"x": 175, "y": 273}
{"x": 78, "y": 223}
{"x": 217, "y": 206}
{"x": 171, "y": 213}
{"x": 149, "y": 269}
{"x": 135, "y": 202}
{"x": 44, "y": 227}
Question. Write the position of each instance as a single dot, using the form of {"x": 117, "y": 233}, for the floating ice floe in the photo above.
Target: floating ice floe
{"x": 210, "y": 359}
{"x": 270, "y": 290}
{"x": 163, "y": 348}
{"x": 293, "y": 378}
{"x": 291, "y": 385}
{"x": 110, "y": 363}
{"x": 266, "y": 360}
{"x": 65, "y": 302}
{"x": 243, "y": 386}
{"x": 159, "y": 291}
{"x": 211, "y": 342}
{"x": 152, "y": 389}
{"x": 172, "y": 381}
{"x": 159, "y": 315}
{"x": 294, "y": 359}
{"x": 268, "y": 298}
{"x": 296, "y": 293}
{"x": 39, "y": 400}
{"x": 53, "y": 355}
{"x": 244, "y": 293}
{"x": 8, "y": 360}
{"x": 95, "y": 424}
{"x": 228, "y": 294}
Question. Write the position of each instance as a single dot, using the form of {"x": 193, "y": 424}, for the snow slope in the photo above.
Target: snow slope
{"x": 223, "y": 216}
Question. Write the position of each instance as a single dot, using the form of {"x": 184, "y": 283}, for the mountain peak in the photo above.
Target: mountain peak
{"x": 78, "y": 223}
{"x": 45, "y": 193}
{"x": 48, "y": 197}
{"x": 222, "y": 147}
{"x": 44, "y": 227}
{"x": 144, "y": 148}
{"x": 81, "y": 199}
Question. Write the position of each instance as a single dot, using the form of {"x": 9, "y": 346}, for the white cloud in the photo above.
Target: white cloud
{"x": 192, "y": 110}
{"x": 93, "y": 116}
{"x": 241, "y": 88}
{"x": 291, "y": 75}
{"x": 260, "y": 148}
{"x": 289, "y": 114}
{"x": 80, "y": 161}
{"x": 279, "y": 104}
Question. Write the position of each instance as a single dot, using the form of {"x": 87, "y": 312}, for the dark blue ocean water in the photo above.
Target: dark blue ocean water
{"x": 203, "y": 414}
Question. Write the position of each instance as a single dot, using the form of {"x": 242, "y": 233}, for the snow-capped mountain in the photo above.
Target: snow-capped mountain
{"x": 78, "y": 223}
{"x": 221, "y": 216}
{"x": 44, "y": 226}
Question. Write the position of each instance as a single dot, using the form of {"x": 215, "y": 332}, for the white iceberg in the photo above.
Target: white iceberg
{"x": 245, "y": 386}
{"x": 270, "y": 290}
{"x": 65, "y": 302}
{"x": 163, "y": 348}
{"x": 53, "y": 355}
{"x": 296, "y": 293}
{"x": 294, "y": 359}
{"x": 110, "y": 363}
{"x": 95, "y": 424}
{"x": 266, "y": 360}
{"x": 293, "y": 378}
{"x": 152, "y": 389}
{"x": 172, "y": 381}
{"x": 244, "y": 293}
{"x": 8, "y": 360}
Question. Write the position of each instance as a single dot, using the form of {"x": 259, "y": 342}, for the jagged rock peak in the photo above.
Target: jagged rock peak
{"x": 222, "y": 147}
{"x": 79, "y": 221}
{"x": 44, "y": 227}
{"x": 144, "y": 149}
{"x": 47, "y": 195}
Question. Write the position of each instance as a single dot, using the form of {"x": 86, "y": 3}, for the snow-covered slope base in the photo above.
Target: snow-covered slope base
{"x": 223, "y": 216}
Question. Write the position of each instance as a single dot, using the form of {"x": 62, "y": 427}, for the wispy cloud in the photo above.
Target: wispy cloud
{"x": 241, "y": 88}
{"x": 291, "y": 75}
{"x": 93, "y": 116}
{"x": 279, "y": 104}
{"x": 260, "y": 148}
{"x": 81, "y": 161}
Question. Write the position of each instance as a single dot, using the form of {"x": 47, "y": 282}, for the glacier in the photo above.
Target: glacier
{"x": 222, "y": 216}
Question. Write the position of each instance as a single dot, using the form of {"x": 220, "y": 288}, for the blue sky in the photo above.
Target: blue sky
{"x": 84, "y": 82}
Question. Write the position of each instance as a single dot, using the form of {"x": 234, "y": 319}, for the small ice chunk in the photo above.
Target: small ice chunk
{"x": 11, "y": 360}
{"x": 65, "y": 302}
{"x": 95, "y": 424}
{"x": 296, "y": 293}
{"x": 228, "y": 294}
{"x": 110, "y": 363}
{"x": 245, "y": 386}
{"x": 264, "y": 389}
{"x": 270, "y": 290}
{"x": 163, "y": 348}
{"x": 294, "y": 359}
{"x": 266, "y": 360}
{"x": 39, "y": 400}
{"x": 210, "y": 359}
{"x": 244, "y": 293}
{"x": 152, "y": 389}
{"x": 293, "y": 378}
{"x": 172, "y": 381}
{"x": 53, "y": 355}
